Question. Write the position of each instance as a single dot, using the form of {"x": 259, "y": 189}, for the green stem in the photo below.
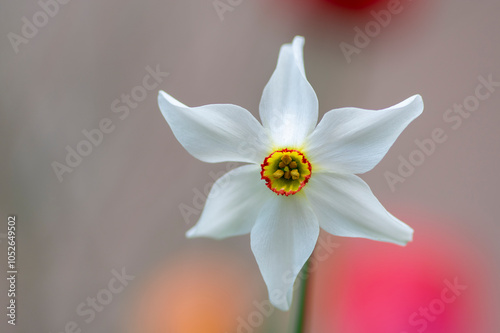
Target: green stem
{"x": 301, "y": 309}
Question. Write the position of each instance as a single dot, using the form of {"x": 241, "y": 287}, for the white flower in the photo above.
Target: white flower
{"x": 300, "y": 176}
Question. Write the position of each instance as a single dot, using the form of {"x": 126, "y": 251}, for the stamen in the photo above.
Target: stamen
{"x": 293, "y": 165}
{"x": 286, "y": 159}
{"x": 287, "y": 175}
{"x": 278, "y": 174}
{"x": 281, "y": 165}
{"x": 295, "y": 174}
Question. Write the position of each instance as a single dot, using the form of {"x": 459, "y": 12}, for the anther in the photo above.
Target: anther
{"x": 281, "y": 165}
{"x": 295, "y": 174}
{"x": 286, "y": 159}
{"x": 287, "y": 175}
{"x": 293, "y": 165}
{"x": 278, "y": 174}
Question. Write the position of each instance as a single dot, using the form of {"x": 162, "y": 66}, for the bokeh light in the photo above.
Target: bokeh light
{"x": 353, "y": 4}
{"x": 195, "y": 293}
{"x": 436, "y": 284}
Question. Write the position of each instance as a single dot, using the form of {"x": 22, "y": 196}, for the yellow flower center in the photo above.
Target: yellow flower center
{"x": 286, "y": 171}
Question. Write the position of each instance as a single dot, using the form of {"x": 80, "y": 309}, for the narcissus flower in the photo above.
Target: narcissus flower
{"x": 300, "y": 176}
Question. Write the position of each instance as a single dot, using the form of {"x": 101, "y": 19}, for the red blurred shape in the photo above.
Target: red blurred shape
{"x": 354, "y": 4}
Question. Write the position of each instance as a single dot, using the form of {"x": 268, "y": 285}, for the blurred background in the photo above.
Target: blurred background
{"x": 101, "y": 245}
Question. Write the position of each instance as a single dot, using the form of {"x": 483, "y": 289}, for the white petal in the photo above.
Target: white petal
{"x": 282, "y": 239}
{"x": 217, "y": 132}
{"x": 233, "y": 204}
{"x": 345, "y": 206}
{"x": 289, "y": 106}
{"x": 352, "y": 140}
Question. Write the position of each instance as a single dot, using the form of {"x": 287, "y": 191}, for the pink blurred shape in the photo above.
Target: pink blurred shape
{"x": 437, "y": 284}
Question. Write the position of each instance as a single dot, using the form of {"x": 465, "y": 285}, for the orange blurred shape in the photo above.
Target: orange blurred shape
{"x": 195, "y": 293}
{"x": 436, "y": 284}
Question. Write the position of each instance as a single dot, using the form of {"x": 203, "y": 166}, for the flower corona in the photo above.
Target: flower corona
{"x": 286, "y": 171}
